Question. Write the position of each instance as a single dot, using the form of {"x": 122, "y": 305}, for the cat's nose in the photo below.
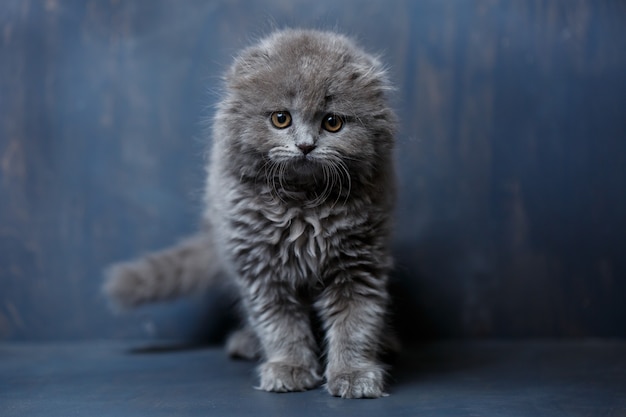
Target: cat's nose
{"x": 306, "y": 147}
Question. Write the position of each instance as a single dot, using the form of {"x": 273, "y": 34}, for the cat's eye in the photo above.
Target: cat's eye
{"x": 332, "y": 123}
{"x": 281, "y": 119}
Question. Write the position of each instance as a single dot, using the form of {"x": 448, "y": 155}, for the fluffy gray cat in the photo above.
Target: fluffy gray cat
{"x": 298, "y": 210}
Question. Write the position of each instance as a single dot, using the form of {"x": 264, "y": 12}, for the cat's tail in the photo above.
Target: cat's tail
{"x": 188, "y": 267}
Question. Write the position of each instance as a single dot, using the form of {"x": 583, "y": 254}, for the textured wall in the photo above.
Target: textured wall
{"x": 512, "y": 157}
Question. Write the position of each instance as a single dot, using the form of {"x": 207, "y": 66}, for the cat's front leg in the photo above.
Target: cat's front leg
{"x": 282, "y": 326}
{"x": 353, "y": 308}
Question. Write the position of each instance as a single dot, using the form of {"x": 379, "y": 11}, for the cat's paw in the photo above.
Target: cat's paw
{"x": 283, "y": 377}
{"x": 357, "y": 383}
{"x": 243, "y": 344}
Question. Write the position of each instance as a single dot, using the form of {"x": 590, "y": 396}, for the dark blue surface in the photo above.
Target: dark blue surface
{"x": 538, "y": 379}
{"x": 512, "y": 157}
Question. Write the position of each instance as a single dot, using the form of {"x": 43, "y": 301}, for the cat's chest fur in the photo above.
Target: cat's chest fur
{"x": 291, "y": 242}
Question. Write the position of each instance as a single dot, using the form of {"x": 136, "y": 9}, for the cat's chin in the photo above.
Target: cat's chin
{"x": 304, "y": 171}
{"x": 305, "y": 167}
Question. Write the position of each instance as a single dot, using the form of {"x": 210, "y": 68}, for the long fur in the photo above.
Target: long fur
{"x": 301, "y": 235}
{"x": 190, "y": 266}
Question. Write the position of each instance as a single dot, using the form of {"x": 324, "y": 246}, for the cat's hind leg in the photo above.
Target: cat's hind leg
{"x": 243, "y": 344}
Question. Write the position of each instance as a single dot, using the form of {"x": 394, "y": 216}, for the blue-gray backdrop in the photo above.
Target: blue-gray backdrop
{"x": 511, "y": 220}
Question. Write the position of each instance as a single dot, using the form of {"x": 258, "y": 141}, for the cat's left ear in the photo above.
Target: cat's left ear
{"x": 370, "y": 73}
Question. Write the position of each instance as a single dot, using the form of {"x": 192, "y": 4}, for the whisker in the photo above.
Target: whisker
{"x": 337, "y": 179}
{"x": 276, "y": 173}
{"x": 344, "y": 168}
{"x": 329, "y": 183}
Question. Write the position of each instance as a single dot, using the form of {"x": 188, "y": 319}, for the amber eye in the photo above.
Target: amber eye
{"x": 281, "y": 119}
{"x": 332, "y": 123}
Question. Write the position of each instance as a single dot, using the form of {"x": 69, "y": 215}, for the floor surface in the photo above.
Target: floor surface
{"x": 535, "y": 378}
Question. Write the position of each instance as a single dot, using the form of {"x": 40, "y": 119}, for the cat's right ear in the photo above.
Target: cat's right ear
{"x": 248, "y": 63}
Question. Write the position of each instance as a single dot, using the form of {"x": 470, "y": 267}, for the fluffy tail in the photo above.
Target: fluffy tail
{"x": 188, "y": 267}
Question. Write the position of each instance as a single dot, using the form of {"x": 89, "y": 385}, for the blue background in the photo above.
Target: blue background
{"x": 511, "y": 220}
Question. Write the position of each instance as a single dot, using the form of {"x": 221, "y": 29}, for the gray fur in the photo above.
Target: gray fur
{"x": 189, "y": 267}
{"x": 300, "y": 236}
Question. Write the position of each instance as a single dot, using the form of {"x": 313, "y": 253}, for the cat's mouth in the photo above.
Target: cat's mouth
{"x": 310, "y": 171}
{"x": 304, "y": 166}
{"x": 297, "y": 171}
{"x": 311, "y": 178}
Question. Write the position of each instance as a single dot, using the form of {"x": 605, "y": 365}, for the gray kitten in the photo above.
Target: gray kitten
{"x": 298, "y": 210}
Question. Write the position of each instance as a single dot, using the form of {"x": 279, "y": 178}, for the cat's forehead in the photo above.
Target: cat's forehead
{"x": 294, "y": 58}
{"x": 309, "y": 67}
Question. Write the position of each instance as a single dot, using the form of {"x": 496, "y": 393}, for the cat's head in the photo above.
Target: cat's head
{"x": 309, "y": 107}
